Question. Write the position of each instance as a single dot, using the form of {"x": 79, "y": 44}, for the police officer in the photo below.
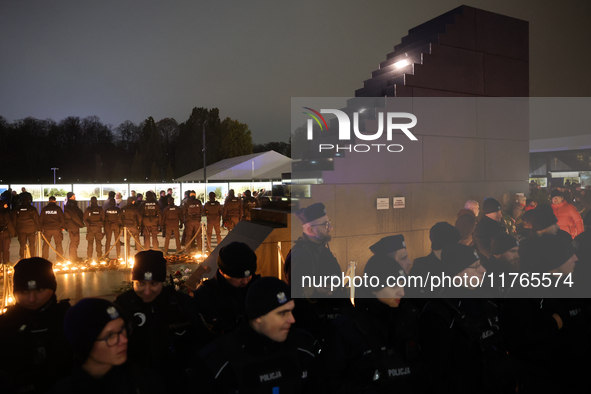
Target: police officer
{"x": 265, "y": 354}
{"x": 98, "y": 334}
{"x": 548, "y": 334}
{"x": 150, "y": 211}
{"x": 131, "y": 220}
{"x": 441, "y": 235}
{"x": 311, "y": 254}
{"x": 94, "y": 217}
{"x": 52, "y": 222}
{"x": 167, "y": 330}
{"x": 113, "y": 226}
{"x": 26, "y": 219}
{"x": 171, "y": 221}
{"x": 374, "y": 346}
{"x": 233, "y": 210}
{"x": 34, "y": 350}
{"x": 221, "y": 298}
{"x": 248, "y": 203}
{"x": 311, "y": 257}
{"x": 192, "y": 211}
{"x": 74, "y": 222}
{"x": 213, "y": 212}
{"x": 505, "y": 254}
{"x": 462, "y": 347}
{"x": 7, "y": 231}
{"x": 489, "y": 225}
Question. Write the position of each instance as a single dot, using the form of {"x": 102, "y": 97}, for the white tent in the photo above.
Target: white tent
{"x": 258, "y": 166}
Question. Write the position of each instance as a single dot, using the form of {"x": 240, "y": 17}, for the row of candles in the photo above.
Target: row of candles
{"x": 69, "y": 267}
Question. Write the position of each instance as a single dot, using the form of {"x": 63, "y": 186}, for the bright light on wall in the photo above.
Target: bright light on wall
{"x": 402, "y": 63}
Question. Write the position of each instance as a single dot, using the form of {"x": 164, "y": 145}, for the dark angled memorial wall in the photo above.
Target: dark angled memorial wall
{"x": 464, "y": 75}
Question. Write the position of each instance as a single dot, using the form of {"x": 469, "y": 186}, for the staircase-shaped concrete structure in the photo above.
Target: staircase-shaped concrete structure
{"x": 464, "y": 52}
{"x": 469, "y": 146}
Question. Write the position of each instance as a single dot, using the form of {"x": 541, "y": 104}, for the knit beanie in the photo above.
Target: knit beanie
{"x": 543, "y": 217}
{"x": 443, "y": 234}
{"x": 490, "y": 205}
{"x": 237, "y": 260}
{"x": 34, "y": 273}
{"x": 555, "y": 193}
{"x": 266, "y": 294}
{"x": 149, "y": 265}
{"x": 85, "y": 321}
{"x": 457, "y": 257}
{"x": 502, "y": 242}
{"x": 313, "y": 212}
{"x": 548, "y": 252}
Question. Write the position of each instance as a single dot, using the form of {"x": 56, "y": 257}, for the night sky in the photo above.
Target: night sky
{"x": 127, "y": 60}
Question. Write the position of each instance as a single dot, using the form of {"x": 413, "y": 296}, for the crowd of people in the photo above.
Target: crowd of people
{"x": 243, "y": 333}
{"x": 141, "y": 217}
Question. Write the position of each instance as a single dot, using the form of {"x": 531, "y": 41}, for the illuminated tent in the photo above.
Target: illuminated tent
{"x": 258, "y": 166}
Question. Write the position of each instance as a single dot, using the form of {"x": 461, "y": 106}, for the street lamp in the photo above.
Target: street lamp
{"x": 204, "y": 159}
{"x": 54, "y": 170}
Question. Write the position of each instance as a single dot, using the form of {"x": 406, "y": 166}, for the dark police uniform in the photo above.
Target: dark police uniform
{"x": 52, "y": 222}
{"x": 314, "y": 260}
{"x": 35, "y": 352}
{"x": 94, "y": 216}
{"x": 131, "y": 220}
{"x": 26, "y": 219}
{"x": 74, "y": 222}
{"x": 551, "y": 357}
{"x": 423, "y": 267}
{"x": 462, "y": 347}
{"x": 311, "y": 259}
{"x": 150, "y": 211}
{"x": 113, "y": 226}
{"x": 213, "y": 211}
{"x": 7, "y": 231}
{"x": 232, "y": 212}
{"x": 171, "y": 221}
{"x": 192, "y": 211}
{"x": 128, "y": 378}
{"x": 373, "y": 348}
{"x": 248, "y": 362}
{"x": 167, "y": 332}
{"x": 221, "y": 305}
